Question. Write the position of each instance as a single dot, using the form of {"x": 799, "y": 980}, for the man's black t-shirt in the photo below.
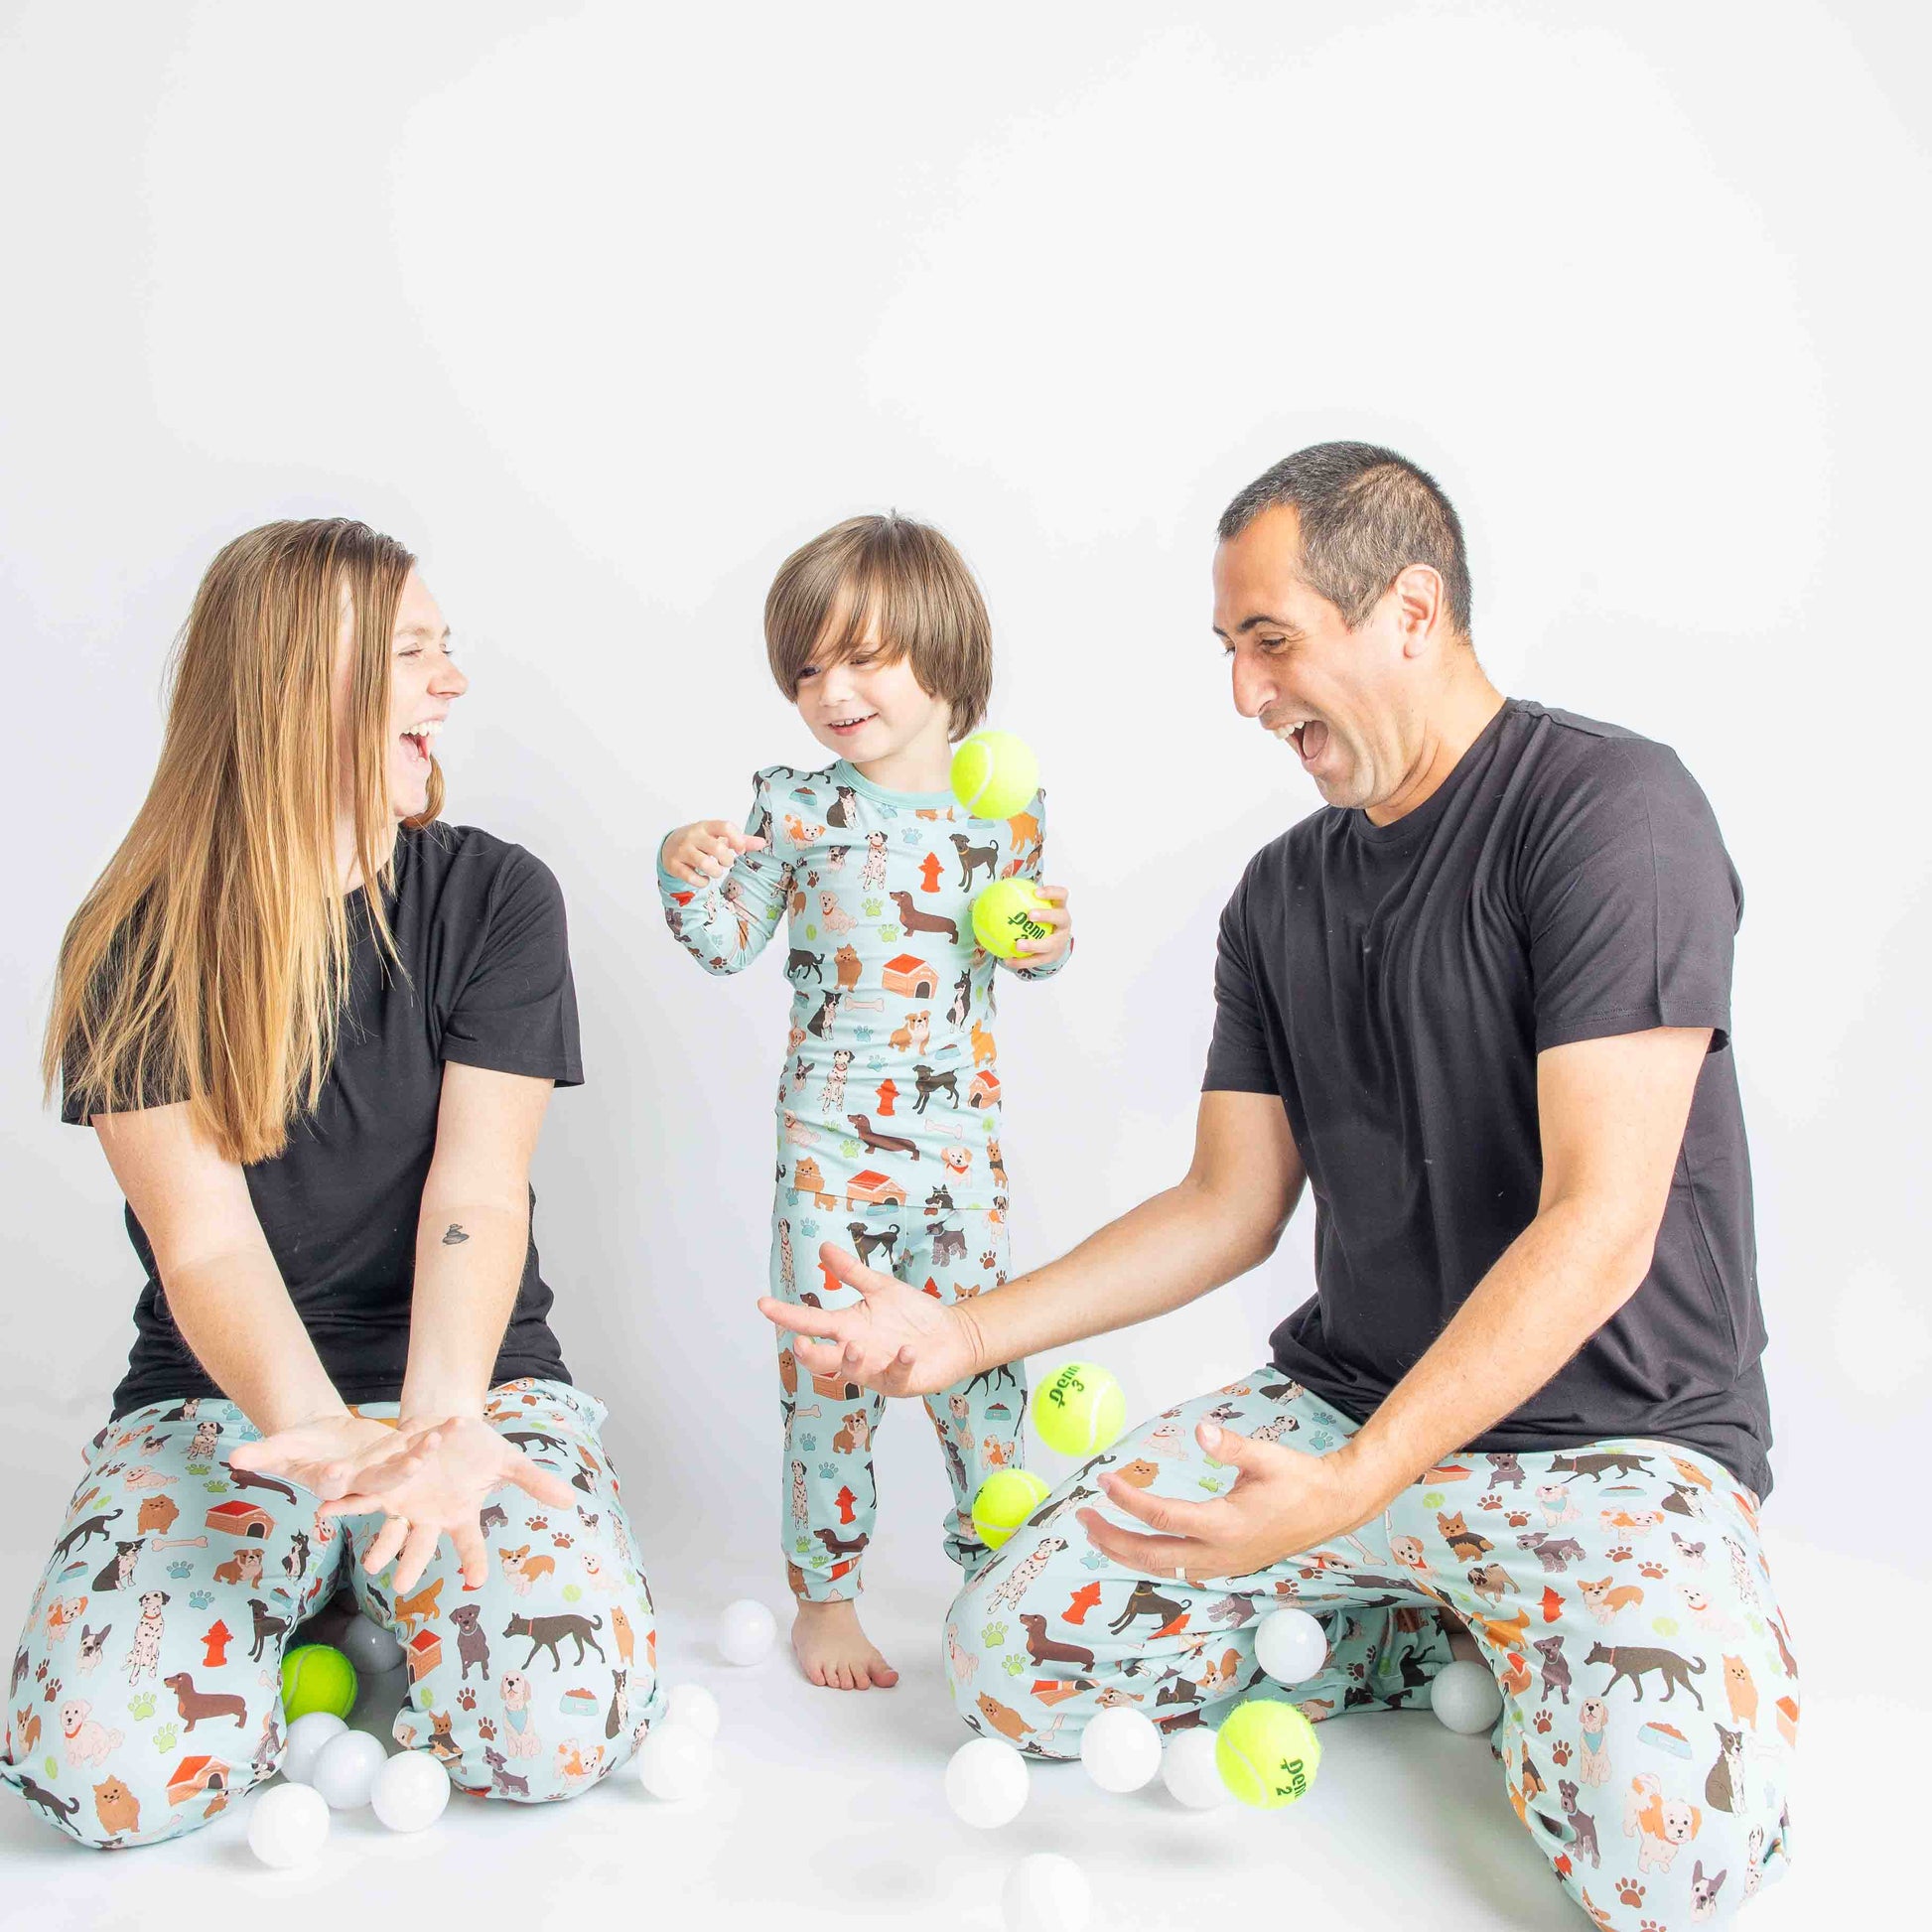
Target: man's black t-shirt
{"x": 479, "y": 926}
{"x": 1394, "y": 985}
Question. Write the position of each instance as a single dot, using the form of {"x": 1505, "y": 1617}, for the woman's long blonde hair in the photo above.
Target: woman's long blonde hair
{"x": 210, "y": 962}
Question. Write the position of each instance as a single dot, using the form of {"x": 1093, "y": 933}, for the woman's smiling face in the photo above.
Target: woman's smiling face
{"x": 424, "y": 683}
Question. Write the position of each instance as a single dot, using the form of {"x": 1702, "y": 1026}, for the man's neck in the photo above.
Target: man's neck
{"x": 1456, "y": 721}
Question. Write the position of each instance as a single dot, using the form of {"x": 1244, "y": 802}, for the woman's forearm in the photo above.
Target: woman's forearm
{"x": 469, "y": 1265}
{"x": 233, "y": 1310}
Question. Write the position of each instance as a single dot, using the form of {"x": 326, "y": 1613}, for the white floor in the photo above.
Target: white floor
{"x": 826, "y": 1812}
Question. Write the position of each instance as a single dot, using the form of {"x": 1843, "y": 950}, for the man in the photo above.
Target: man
{"x": 1480, "y": 1005}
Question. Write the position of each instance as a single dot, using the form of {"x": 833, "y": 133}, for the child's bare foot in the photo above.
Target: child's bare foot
{"x": 834, "y": 1651}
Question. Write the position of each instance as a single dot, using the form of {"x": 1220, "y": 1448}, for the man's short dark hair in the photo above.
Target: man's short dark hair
{"x": 1366, "y": 515}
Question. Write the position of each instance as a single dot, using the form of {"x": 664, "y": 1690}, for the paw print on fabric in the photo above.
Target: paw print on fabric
{"x": 1517, "y": 1519}
{"x": 485, "y": 1729}
{"x": 1629, "y": 1892}
{"x": 200, "y": 1598}
{"x": 1093, "y": 1560}
{"x": 181, "y": 1566}
{"x": 1562, "y": 1752}
{"x": 888, "y": 934}
{"x": 1013, "y": 1664}
{"x": 1322, "y": 1438}
{"x": 468, "y": 1698}
{"x": 215, "y": 1486}
{"x": 164, "y": 1739}
{"x": 874, "y": 908}
{"x": 1650, "y": 1568}
{"x": 141, "y": 1708}
{"x": 1211, "y": 1484}
{"x": 862, "y": 1035}
{"x": 40, "y": 1674}
{"x": 1623, "y": 1553}
{"x": 809, "y": 1229}
{"x": 994, "y": 1635}
{"x": 1651, "y": 1925}
{"x": 988, "y": 1260}
{"x": 562, "y": 1540}
{"x": 811, "y": 877}
{"x": 537, "y": 1521}
{"x": 1491, "y": 1502}
{"x": 1542, "y": 1723}
{"x": 809, "y": 1444}
{"x": 827, "y": 1471}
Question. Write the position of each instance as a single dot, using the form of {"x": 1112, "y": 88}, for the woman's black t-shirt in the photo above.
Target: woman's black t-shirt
{"x": 479, "y": 926}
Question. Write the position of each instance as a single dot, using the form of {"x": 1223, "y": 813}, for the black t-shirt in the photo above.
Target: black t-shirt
{"x": 1394, "y": 985}
{"x": 478, "y": 924}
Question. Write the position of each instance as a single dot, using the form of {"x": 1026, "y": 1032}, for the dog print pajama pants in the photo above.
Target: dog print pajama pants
{"x": 1618, "y": 1592}
{"x": 887, "y": 1138}
{"x": 146, "y": 1689}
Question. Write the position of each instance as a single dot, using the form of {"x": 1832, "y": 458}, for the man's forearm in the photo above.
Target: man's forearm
{"x": 1170, "y": 1250}
{"x": 1551, "y": 1290}
{"x": 469, "y": 1265}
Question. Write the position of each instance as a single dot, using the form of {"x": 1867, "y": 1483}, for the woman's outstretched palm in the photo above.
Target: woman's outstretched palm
{"x": 897, "y": 1340}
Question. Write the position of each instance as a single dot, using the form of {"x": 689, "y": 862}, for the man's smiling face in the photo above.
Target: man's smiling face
{"x": 1337, "y": 698}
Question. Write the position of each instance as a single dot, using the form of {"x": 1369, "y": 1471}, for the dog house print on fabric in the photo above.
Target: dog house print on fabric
{"x": 238, "y": 1518}
{"x": 910, "y": 976}
{"x": 874, "y": 1189}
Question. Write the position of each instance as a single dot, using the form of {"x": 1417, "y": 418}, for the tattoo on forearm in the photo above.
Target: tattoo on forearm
{"x": 454, "y": 1236}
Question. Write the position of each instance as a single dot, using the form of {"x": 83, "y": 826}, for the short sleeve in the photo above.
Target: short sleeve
{"x": 148, "y": 1077}
{"x": 1238, "y": 1059}
{"x": 1631, "y": 903}
{"x": 516, "y": 1011}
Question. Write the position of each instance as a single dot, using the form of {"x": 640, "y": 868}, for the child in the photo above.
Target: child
{"x": 888, "y": 1101}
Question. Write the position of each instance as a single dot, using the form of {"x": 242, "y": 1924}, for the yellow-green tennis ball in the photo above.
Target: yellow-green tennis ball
{"x": 317, "y": 1677}
{"x": 1002, "y": 916}
{"x": 995, "y": 774}
{"x": 1079, "y": 1409}
{"x": 1006, "y": 1499}
{"x": 1267, "y": 1754}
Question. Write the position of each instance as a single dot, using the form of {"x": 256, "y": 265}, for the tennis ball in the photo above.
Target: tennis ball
{"x": 1006, "y": 1499}
{"x": 1003, "y": 915}
{"x": 317, "y": 1677}
{"x": 1267, "y": 1754}
{"x": 995, "y": 774}
{"x": 1078, "y": 1410}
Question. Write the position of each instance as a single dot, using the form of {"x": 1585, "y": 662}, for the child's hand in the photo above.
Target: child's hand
{"x": 704, "y": 850}
{"x": 1043, "y": 952}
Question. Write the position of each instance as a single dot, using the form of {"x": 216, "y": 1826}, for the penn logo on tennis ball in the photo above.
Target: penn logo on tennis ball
{"x": 1022, "y": 926}
{"x": 1290, "y": 1779}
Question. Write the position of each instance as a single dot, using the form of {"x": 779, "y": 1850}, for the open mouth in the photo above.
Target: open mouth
{"x": 1310, "y": 739}
{"x": 418, "y": 741}
{"x": 845, "y": 727}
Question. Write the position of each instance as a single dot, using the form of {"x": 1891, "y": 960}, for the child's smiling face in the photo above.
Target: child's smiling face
{"x": 868, "y": 705}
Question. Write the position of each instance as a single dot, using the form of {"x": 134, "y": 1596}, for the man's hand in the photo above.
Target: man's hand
{"x": 1283, "y": 1502}
{"x": 897, "y": 1340}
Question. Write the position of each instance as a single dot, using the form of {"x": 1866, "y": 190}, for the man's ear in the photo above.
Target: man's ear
{"x": 1419, "y": 607}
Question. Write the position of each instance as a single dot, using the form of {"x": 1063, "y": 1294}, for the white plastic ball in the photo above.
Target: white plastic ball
{"x": 1188, "y": 1770}
{"x": 288, "y": 1824}
{"x": 410, "y": 1791}
{"x": 1290, "y": 1645}
{"x": 307, "y": 1735}
{"x": 693, "y": 1705}
{"x": 1465, "y": 1696}
{"x": 986, "y": 1783}
{"x": 674, "y": 1762}
{"x": 746, "y": 1630}
{"x": 345, "y": 1771}
{"x": 1120, "y": 1748}
{"x": 1046, "y": 1892}
{"x": 369, "y": 1647}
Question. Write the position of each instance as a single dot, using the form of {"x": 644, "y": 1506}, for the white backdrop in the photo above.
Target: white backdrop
{"x": 603, "y": 309}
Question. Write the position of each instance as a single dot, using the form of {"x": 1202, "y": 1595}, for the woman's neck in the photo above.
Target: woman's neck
{"x": 348, "y": 867}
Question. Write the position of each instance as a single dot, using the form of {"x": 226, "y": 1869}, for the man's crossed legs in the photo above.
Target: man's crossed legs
{"x": 1618, "y": 1593}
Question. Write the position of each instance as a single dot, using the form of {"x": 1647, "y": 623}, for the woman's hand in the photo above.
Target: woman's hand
{"x": 1283, "y": 1502}
{"x": 898, "y": 1341}
{"x": 1043, "y": 952}
{"x": 705, "y": 849}
{"x": 321, "y": 1454}
{"x": 433, "y": 1483}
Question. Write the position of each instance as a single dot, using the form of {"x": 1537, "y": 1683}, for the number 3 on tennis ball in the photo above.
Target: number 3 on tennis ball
{"x": 1078, "y": 1410}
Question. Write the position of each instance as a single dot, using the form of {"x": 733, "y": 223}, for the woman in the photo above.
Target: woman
{"x": 314, "y": 1031}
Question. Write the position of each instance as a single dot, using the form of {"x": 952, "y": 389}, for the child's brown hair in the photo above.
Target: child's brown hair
{"x": 905, "y": 579}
